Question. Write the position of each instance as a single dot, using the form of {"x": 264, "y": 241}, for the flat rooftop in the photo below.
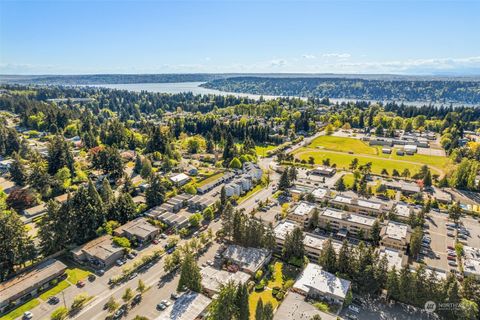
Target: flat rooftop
{"x": 139, "y": 227}
{"x": 213, "y": 279}
{"x": 303, "y": 208}
{"x": 314, "y": 277}
{"x": 347, "y": 216}
{"x": 403, "y": 210}
{"x": 395, "y": 258}
{"x": 248, "y": 258}
{"x": 343, "y": 199}
{"x": 187, "y": 307}
{"x": 471, "y": 260}
{"x": 320, "y": 193}
{"x": 316, "y": 242}
{"x": 396, "y": 230}
{"x": 294, "y": 307}
{"x": 27, "y": 281}
{"x": 283, "y": 228}
{"x": 101, "y": 248}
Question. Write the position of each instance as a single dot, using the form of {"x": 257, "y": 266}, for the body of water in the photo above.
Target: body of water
{"x": 194, "y": 87}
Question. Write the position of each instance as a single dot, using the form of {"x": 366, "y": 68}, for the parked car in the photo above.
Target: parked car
{"x": 119, "y": 313}
{"x": 452, "y": 258}
{"x": 452, "y": 263}
{"x": 53, "y": 300}
{"x": 352, "y": 316}
{"x": 119, "y": 262}
{"x": 163, "y": 236}
{"x": 136, "y": 300}
{"x": 155, "y": 241}
{"x": 130, "y": 256}
{"x": 91, "y": 277}
{"x": 450, "y": 234}
{"x": 166, "y": 302}
{"x": 100, "y": 272}
{"x": 80, "y": 284}
{"x": 174, "y": 296}
{"x": 450, "y": 247}
{"x": 27, "y": 315}
{"x": 161, "y": 306}
{"x": 133, "y": 275}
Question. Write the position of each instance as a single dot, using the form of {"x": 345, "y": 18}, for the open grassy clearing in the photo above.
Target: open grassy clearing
{"x": 262, "y": 150}
{"x": 265, "y": 295}
{"x": 211, "y": 178}
{"x": 76, "y": 274}
{"x": 436, "y": 161}
{"x": 342, "y": 144}
{"x": 343, "y": 160}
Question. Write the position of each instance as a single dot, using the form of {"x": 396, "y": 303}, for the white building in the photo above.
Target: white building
{"x": 180, "y": 179}
{"x": 315, "y": 282}
{"x": 471, "y": 261}
{"x": 302, "y": 213}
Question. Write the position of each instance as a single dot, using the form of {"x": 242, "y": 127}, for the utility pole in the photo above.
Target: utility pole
{"x": 63, "y": 295}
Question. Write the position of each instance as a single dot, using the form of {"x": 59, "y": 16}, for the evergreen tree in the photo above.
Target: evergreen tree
{"x": 284, "y": 182}
{"x": 59, "y": 155}
{"x": 53, "y": 229}
{"x": 138, "y": 164}
{"x": 392, "y": 284}
{"x": 293, "y": 247}
{"x": 328, "y": 259}
{"x": 343, "y": 265}
{"x": 241, "y": 302}
{"x": 375, "y": 232}
{"x": 124, "y": 208}
{"x": 427, "y": 179}
{"x": 17, "y": 170}
{"x": 259, "y": 310}
{"x": 340, "y": 184}
{"x": 190, "y": 276}
{"x": 224, "y": 307}
{"x": 155, "y": 193}
{"x": 268, "y": 311}
{"x": 16, "y": 247}
{"x": 106, "y": 193}
{"x": 146, "y": 170}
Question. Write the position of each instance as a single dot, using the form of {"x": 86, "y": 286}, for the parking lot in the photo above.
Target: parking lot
{"x": 379, "y": 310}
{"x": 437, "y": 231}
{"x": 472, "y": 225}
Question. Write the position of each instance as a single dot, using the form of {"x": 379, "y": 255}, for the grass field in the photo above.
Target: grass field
{"x": 338, "y": 150}
{"x": 348, "y": 180}
{"x": 62, "y": 285}
{"x": 342, "y": 144}
{"x": 265, "y": 295}
{"x": 262, "y": 150}
{"x": 16, "y": 313}
{"x": 211, "y": 178}
{"x": 76, "y": 274}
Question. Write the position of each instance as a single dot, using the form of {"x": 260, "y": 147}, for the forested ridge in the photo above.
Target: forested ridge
{"x": 439, "y": 91}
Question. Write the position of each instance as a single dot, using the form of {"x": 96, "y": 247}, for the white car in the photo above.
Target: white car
{"x": 27, "y": 315}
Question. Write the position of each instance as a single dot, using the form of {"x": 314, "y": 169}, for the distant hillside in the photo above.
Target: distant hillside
{"x": 388, "y": 88}
{"x": 106, "y": 79}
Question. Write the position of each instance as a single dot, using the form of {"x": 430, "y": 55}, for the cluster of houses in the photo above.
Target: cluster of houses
{"x": 408, "y": 142}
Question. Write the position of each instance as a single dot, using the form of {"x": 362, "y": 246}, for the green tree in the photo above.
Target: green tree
{"x": 375, "y": 232}
{"x": 141, "y": 287}
{"x": 328, "y": 258}
{"x": 235, "y": 163}
{"x": 127, "y": 295}
{"x": 455, "y": 211}
{"x": 190, "y": 276}
{"x": 60, "y": 313}
{"x": 268, "y": 311}
{"x": 293, "y": 247}
{"x": 155, "y": 194}
{"x": 427, "y": 179}
{"x": 224, "y": 307}
{"x": 146, "y": 170}
{"x": 241, "y": 302}
{"x": 340, "y": 184}
{"x": 259, "y": 310}
{"x": 284, "y": 182}
{"x": 17, "y": 170}
{"x": 112, "y": 304}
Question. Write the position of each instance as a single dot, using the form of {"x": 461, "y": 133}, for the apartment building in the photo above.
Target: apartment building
{"x": 395, "y": 235}
{"x": 358, "y": 205}
{"x": 346, "y": 223}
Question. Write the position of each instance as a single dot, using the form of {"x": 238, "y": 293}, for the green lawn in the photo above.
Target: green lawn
{"x": 435, "y": 161}
{"x": 16, "y": 313}
{"x": 262, "y": 150}
{"x": 250, "y": 193}
{"x": 62, "y": 285}
{"x": 342, "y": 144}
{"x": 348, "y": 180}
{"x": 265, "y": 295}
{"x": 76, "y": 274}
{"x": 211, "y": 178}
{"x": 343, "y": 160}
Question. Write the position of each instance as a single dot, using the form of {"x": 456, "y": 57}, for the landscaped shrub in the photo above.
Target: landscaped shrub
{"x": 280, "y": 295}
{"x": 275, "y": 290}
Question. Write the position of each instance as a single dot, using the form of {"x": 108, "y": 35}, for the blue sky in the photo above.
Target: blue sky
{"x": 404, "y": 37}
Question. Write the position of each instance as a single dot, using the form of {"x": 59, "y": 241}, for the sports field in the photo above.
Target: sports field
{"x": 342, "y": 151}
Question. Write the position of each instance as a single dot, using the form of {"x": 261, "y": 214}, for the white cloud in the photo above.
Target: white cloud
{"x": 308, "y": 56}
{"x": 276, "y": 63}
{"x": 337, "y": 55}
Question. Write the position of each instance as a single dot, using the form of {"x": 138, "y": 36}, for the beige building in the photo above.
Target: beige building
{"x": 302, "y": 213}
{"x": 358, "y": 205}
{"x": 344, "y": 223}
{"x": 139, "y": 229}
{"x": 395, "y": 235}
{"x": 99, "y": 253}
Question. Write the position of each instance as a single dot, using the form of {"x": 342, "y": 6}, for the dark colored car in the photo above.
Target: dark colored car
{"x": 53, "y": 300}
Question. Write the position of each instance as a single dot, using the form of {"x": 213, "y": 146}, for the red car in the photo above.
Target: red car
{"x": 80, "y": 284}
{"x": 450, "y": 247}
{"x": 452, "y": 258}
{"x": 155, "y": 241}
